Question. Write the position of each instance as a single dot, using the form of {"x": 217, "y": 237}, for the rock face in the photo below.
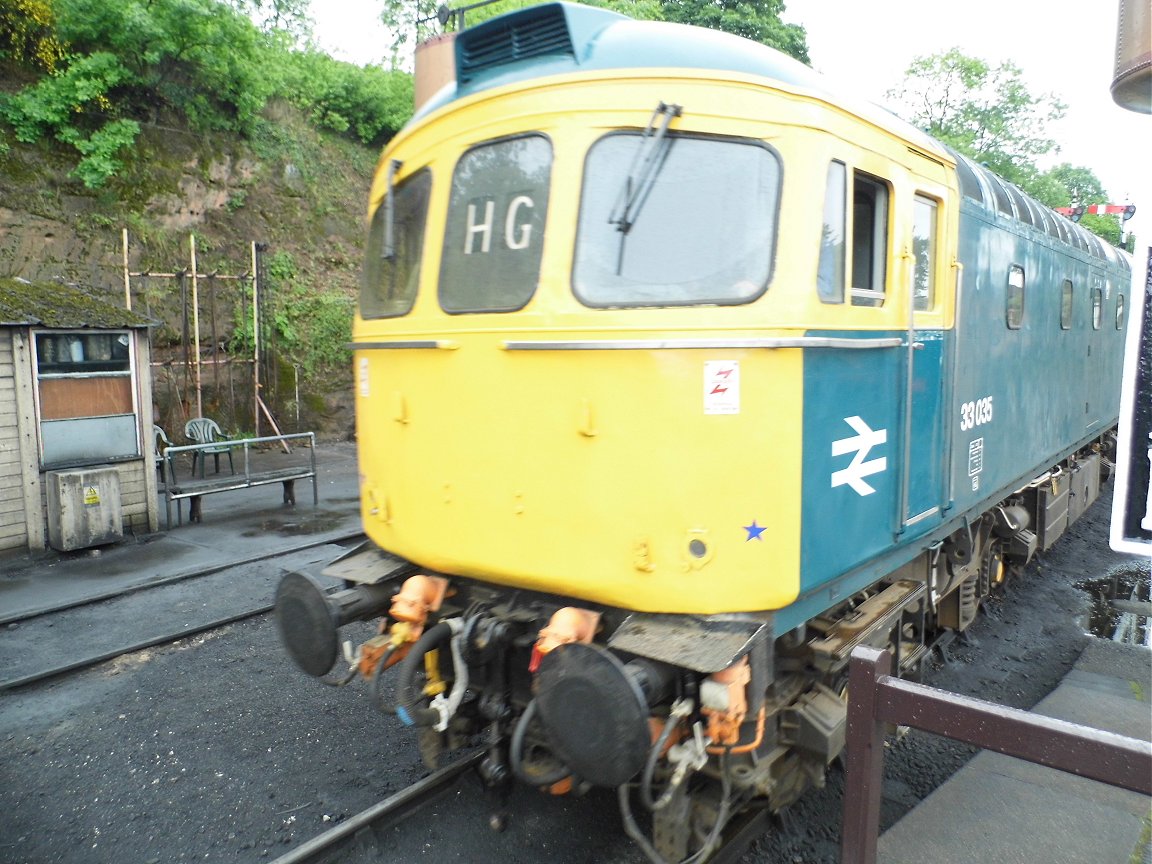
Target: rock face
{"x": 300, "y": 194}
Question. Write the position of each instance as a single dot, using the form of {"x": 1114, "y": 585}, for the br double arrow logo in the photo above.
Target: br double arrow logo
{"x": 861, "y": 444}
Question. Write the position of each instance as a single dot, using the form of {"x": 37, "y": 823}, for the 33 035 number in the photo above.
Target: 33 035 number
{"x": 973, "y": 414}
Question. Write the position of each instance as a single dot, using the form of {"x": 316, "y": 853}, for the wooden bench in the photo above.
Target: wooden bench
{"x": 176, "y": 490}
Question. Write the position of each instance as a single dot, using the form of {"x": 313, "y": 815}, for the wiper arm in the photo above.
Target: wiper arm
{"x": 642, "y": 172}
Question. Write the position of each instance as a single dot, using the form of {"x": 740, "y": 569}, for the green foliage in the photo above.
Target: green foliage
{"x": 758, "y": 20}
{"x": 194, "y": 57}
{"x": 26, "y": 34}
{"x": 371, "y": 104}
{"x": 71, "y": 106}
{"x": 988, "y": 114}
{"x": 205, "y": 61}
{"x": 310, "y": 327}
{"x": 985, "y": 112}
{"x": 100, "y": 150}
{"x": 55, "y": 102}
{"x": 288, "y": 17}
{"x": 1083, "y": 187}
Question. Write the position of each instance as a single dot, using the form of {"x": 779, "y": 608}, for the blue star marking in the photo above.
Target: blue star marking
{"x": 754, "y": 531}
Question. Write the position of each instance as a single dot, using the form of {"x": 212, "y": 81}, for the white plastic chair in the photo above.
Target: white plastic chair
{"x": 203, "y": 430}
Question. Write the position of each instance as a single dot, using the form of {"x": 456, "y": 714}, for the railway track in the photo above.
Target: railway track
{"x": 361, "y": 836}
{"x": 360, "y": 829}
{"x": 74, "y": 636}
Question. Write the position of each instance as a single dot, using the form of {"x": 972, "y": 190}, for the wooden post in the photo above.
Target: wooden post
{"x": 865, "y": 757}
{"x": 127, "y": 279}
{"x": 196, "y": 326}
{"x": 255, "y": 345}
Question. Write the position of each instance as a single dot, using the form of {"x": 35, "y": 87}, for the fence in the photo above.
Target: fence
{"x": 877, "y": 699}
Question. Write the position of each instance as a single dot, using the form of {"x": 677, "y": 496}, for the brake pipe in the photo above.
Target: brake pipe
{"x": 406, "y": 700}
{"x": 446, "y": 708}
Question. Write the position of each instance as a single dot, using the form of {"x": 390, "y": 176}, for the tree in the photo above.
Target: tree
{"x": 198, "y": 58}
{"x": 985, "y": 112}
{"x": 758, "y": 20}
{"x": 290, "y": 17}
{"x": 27, "y": 33}
{"x": 1080, "y": 187}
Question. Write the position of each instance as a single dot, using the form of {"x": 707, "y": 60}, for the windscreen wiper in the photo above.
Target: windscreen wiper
{"x": 645, "y": 164}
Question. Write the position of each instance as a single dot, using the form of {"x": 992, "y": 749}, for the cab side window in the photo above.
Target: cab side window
{"x": 854, "y": 237}
{"x": 869, "y": 240}
{"x": 830, "y": 275}
{"x": 924, "y": 213}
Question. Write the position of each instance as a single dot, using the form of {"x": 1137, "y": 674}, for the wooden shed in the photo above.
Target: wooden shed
{"x": 75, "y": 410}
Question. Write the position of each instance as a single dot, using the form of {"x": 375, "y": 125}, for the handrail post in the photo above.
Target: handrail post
{"x": 312, "y": 452}
{"x": 865, "y": 757}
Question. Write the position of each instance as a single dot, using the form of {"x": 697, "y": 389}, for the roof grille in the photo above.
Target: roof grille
{"x": 537, "y": 32}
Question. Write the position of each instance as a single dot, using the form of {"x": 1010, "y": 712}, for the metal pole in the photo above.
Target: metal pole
{"x": 255, "y": 345}
{"x": 196, "y": 326}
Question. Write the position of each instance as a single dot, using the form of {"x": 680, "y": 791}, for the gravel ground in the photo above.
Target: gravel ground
{"x": 217, "y": 749}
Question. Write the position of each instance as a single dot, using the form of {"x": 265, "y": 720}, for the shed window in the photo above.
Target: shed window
{"x": 1066, "y": 305}
{"x": 86, "y": 397}
{"x": 1014, "y": 315}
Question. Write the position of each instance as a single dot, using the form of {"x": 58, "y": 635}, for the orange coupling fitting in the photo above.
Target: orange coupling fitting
{"x": 418, "y": 596}
{"x": 724, "y": 702}
{"x": 373, "y": 651}
{"x": 566, "y": 626}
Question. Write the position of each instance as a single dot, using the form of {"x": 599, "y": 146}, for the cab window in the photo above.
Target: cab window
{"x": 495, "y": 226}
{"x": 830, "y": 275}
{"x": 392, "y": 265}
{"x": 924, "y": 212}
{"x": 676, "y": 221}
{"x": 864, "y": 256}
{"x": 869, "y": 239}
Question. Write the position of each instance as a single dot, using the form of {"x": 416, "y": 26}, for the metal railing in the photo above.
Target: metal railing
{"x": 175, "y": 490}
{"x": 875, "y": 699}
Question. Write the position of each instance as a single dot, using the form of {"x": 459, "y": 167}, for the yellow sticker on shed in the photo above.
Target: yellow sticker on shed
{"x": 91, "y": 495}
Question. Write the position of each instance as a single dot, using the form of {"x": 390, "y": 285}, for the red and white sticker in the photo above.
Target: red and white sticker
{"x": 721, "y": 387}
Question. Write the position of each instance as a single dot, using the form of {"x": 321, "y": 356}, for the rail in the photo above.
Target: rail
{"x": 877, "y": 699}
{"x": 176, "y": 490}
{"x": 405, "y": 802}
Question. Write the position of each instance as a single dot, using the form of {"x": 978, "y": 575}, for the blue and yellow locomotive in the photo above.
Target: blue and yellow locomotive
{"x": 678, "y": 377}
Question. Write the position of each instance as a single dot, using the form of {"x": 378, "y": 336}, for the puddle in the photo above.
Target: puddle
{"x": 1120, "y": 606}
{"x": 318, "y": 524}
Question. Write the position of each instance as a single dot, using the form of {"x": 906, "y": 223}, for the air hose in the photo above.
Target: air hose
{"x": 516, "y": 754}
{"x": 407, "y": 698}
